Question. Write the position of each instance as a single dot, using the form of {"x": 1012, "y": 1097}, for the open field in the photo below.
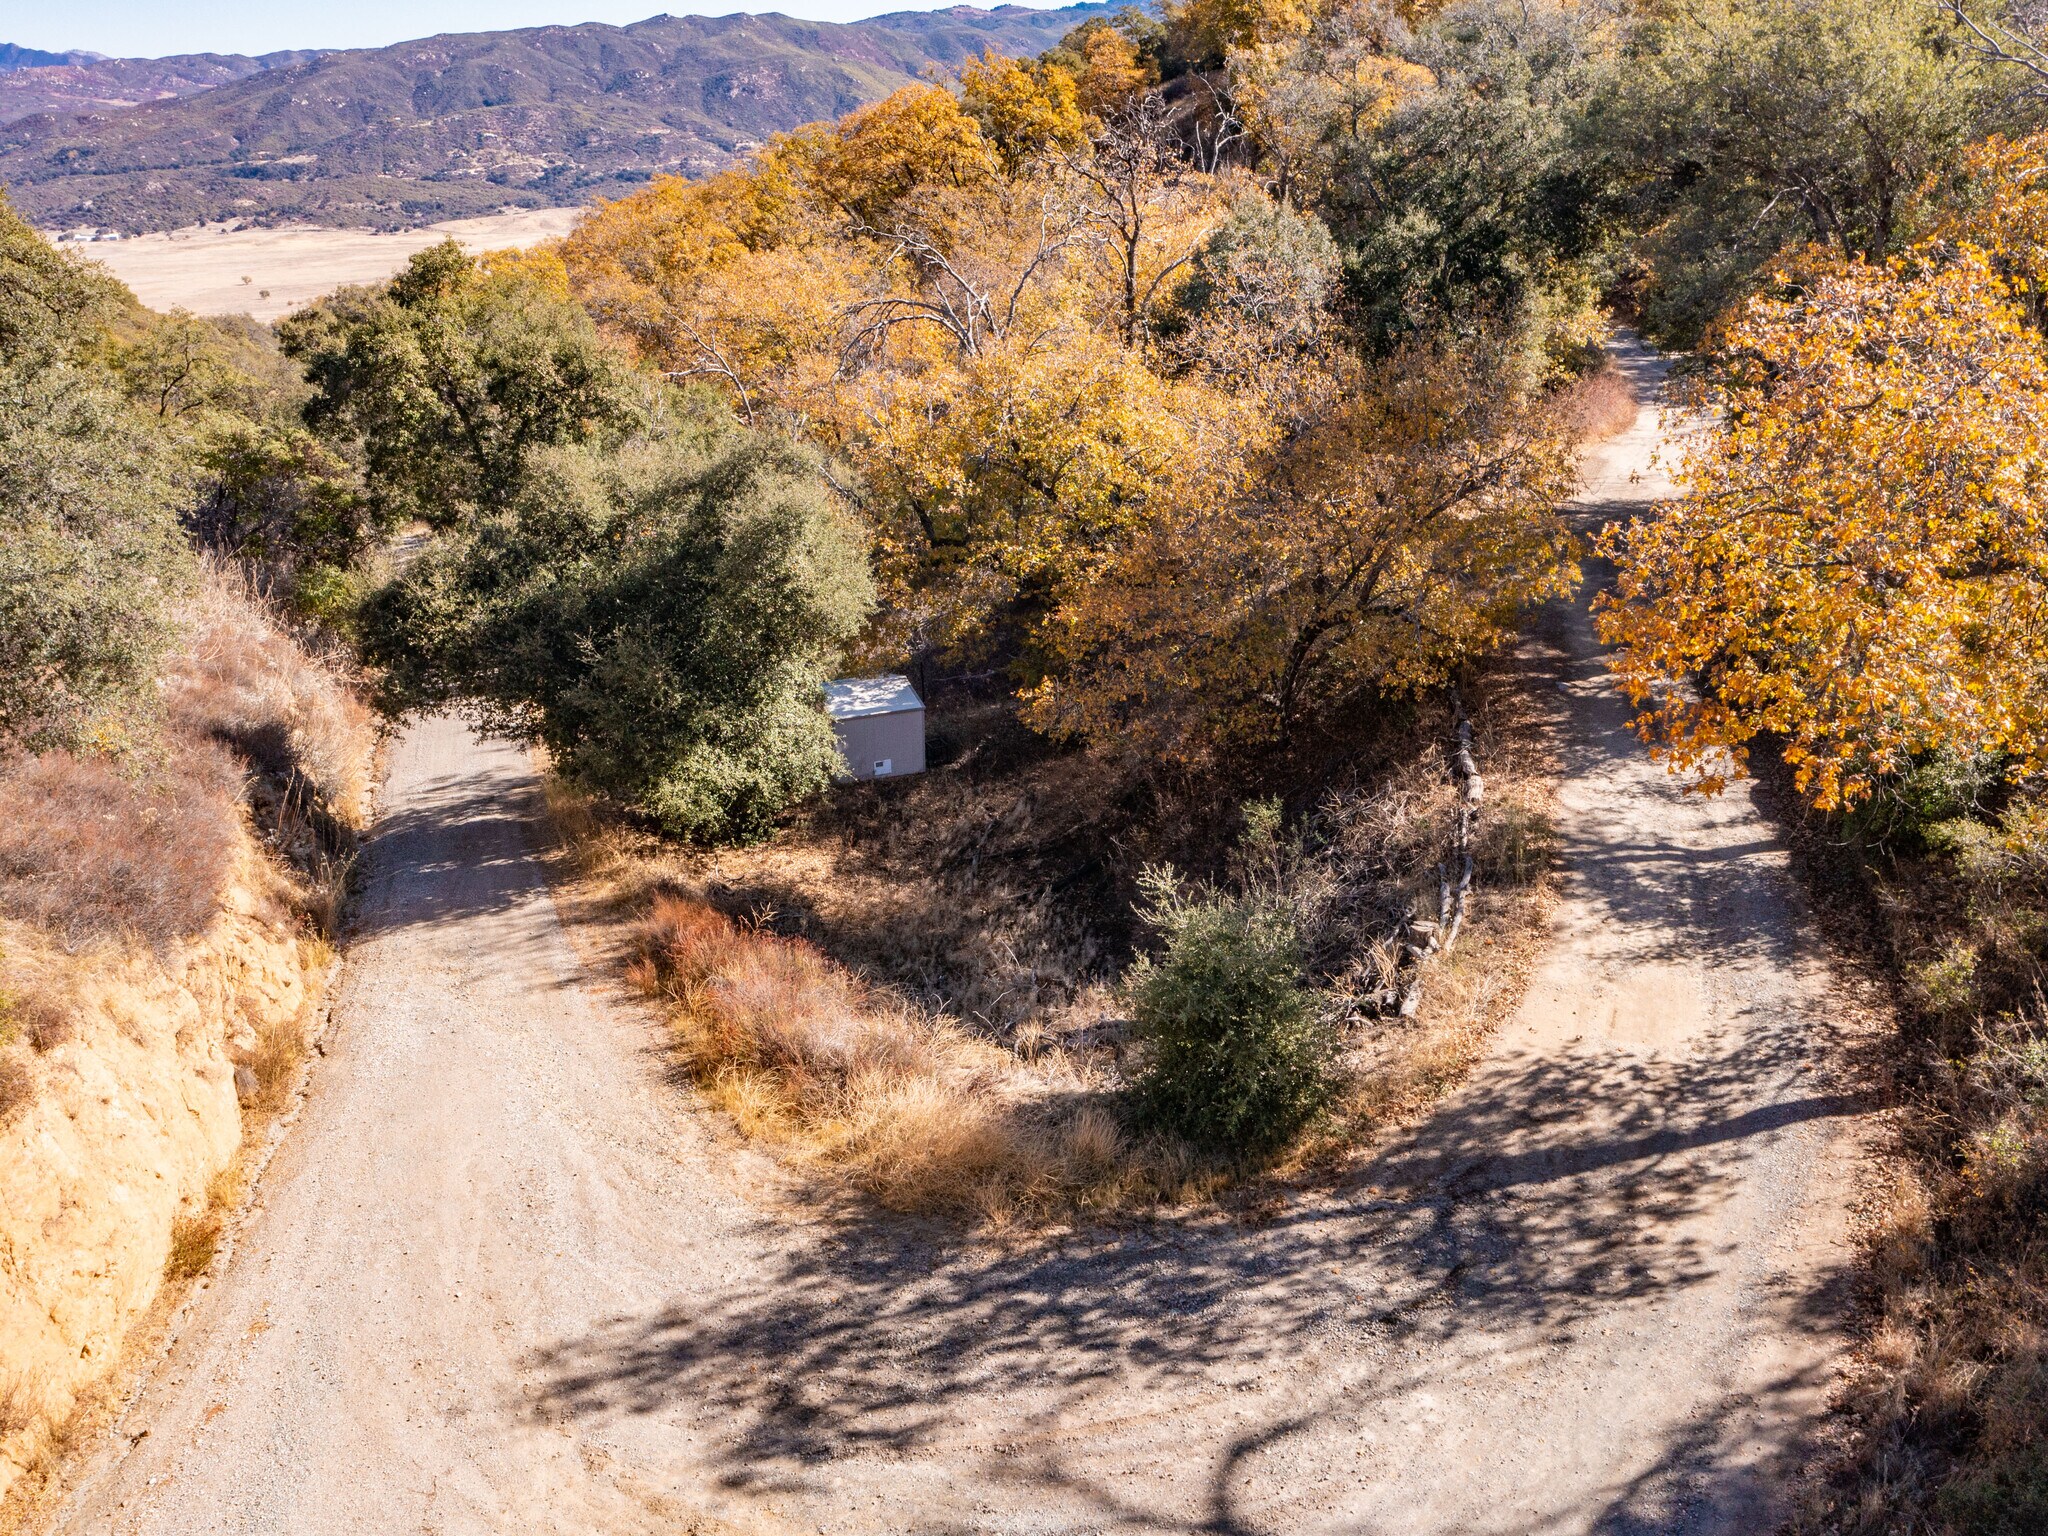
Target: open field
{"x": 215, "y": 270}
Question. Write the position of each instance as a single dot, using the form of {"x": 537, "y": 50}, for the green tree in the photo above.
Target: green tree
{"x": 661, "y": 617}
{"x": 89, "y": 541}
{"x": 1743, "y": 126}
{"x": 442, "y": 381}
{"x": 1470, "y": 197}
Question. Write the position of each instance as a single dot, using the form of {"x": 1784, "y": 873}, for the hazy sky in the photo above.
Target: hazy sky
{"x": 150, "y": 28}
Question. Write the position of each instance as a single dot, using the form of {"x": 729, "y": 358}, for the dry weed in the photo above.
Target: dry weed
{"x": 89, "y": 850}
{"x": 286, "y": 711}
{"x": 194, "y": 1241}
{"x": 280, "y": 1047}
{"x": 1601, "y": 405}
{"x": 20, "y": 1408}
{"x": 918, "y": 1114}
{"x": 37, "y": 1005}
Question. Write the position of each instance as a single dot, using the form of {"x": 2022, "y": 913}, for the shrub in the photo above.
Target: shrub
{"x": 89, "y": 550}
{"x": 276, "y": 496}
{"x": 2007, "y": 1498}
{"x": 662, "y": 619}
{"x": 1235, "y": 1057}
{"x": 1918, "y": 809}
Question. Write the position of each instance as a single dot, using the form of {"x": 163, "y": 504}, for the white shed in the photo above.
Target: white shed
{"x": 880, "y": 724}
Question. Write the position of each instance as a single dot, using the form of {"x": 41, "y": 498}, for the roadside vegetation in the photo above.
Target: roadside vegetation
{"x": 1190, "y": 412}
{"x": 184, "y": 772}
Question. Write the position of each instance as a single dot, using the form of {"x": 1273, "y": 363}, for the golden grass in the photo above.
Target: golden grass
{"x": 910, "y": 1109}
{"x": 1601, "y": 405}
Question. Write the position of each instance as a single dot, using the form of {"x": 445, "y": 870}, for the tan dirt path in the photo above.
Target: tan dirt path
{"x": 501, "y": 1279}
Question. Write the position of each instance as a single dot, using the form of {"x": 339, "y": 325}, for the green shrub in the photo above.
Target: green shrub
{"x": 2008, "y": 1498}
{"x": 89, "y": 539}
{"x": 1915, "y": 811}
{"x": 662, "y": 618}
{"x": 1235, "y": 1056}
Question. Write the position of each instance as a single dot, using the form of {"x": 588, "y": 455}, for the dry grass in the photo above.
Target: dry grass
{"x": 140, "y": 843}
{"x": 915, "y": 1112}
{"x": 1601, "y": 405}
{"x": 91, "y": 848}
{"x": 37, "y": 1004}
{"x": 1947, "y": 1406}
{"x": 279, "y": 703}
{"x": 830, "y": 994}
{"x": 194, "y": 1241}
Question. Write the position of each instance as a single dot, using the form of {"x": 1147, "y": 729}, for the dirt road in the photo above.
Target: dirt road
{"x": 501, "y": 1281}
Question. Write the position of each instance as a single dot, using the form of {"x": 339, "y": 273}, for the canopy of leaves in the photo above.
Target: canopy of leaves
{"x": 442, "y": 380}
{"x": 1857, "y": 563}
{"x": 1442, "y": 155}
{"x": 1397, "y": 531}
{"x": 662, "y": 617}
{"x": 1743, "y": 125}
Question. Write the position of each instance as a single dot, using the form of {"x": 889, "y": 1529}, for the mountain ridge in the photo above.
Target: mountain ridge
{"x": 33, "y": 80}
{"x": 461, "y": 124}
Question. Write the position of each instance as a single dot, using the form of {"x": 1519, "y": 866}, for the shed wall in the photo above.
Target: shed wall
{"x": 897, "y": 739}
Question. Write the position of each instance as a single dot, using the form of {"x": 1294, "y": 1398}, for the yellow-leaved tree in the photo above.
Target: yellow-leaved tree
{"x": 1858, "y": 563}
{"x": 1396, "y": 530}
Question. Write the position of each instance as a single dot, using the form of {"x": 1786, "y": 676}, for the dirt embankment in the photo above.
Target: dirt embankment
{"x": 136, "y": 1117}
{"x": 162, "y": 952}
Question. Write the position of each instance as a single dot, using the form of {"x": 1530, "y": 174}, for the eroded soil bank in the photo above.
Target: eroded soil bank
{"x": 136, "y": 1116}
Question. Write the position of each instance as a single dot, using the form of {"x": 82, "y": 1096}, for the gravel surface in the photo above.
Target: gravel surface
{"x": 502, "y": 1279}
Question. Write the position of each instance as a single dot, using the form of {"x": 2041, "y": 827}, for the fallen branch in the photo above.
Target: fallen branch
{"x": 1452, "y": 898}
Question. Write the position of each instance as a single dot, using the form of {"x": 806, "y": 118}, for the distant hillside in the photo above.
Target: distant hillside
{"x": 462, "y": 124}
{"x": 14, "y": 56}
{"x": 33, "y": 81}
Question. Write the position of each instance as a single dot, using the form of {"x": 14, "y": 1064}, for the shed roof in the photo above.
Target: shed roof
{"x": 889, "y": 694}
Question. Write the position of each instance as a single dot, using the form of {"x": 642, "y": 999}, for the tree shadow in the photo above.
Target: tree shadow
{"x": 462, "y": 846}
{"x": 1503, "y": 1220}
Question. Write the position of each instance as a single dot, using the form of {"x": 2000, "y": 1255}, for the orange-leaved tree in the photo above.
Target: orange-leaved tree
{"x": 1393, "y": 532}
{"x": 1857, "y": 563}
{"x": 1000, "y": 489}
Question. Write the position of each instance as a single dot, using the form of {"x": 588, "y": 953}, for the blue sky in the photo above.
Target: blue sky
{"x": 151, "y": 28}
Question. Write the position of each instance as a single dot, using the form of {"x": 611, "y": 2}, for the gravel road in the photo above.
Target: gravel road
{"x": 501, "y": 1279}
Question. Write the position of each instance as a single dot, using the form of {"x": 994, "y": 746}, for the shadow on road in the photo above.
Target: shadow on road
{"x": 1502, "y": 1219}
